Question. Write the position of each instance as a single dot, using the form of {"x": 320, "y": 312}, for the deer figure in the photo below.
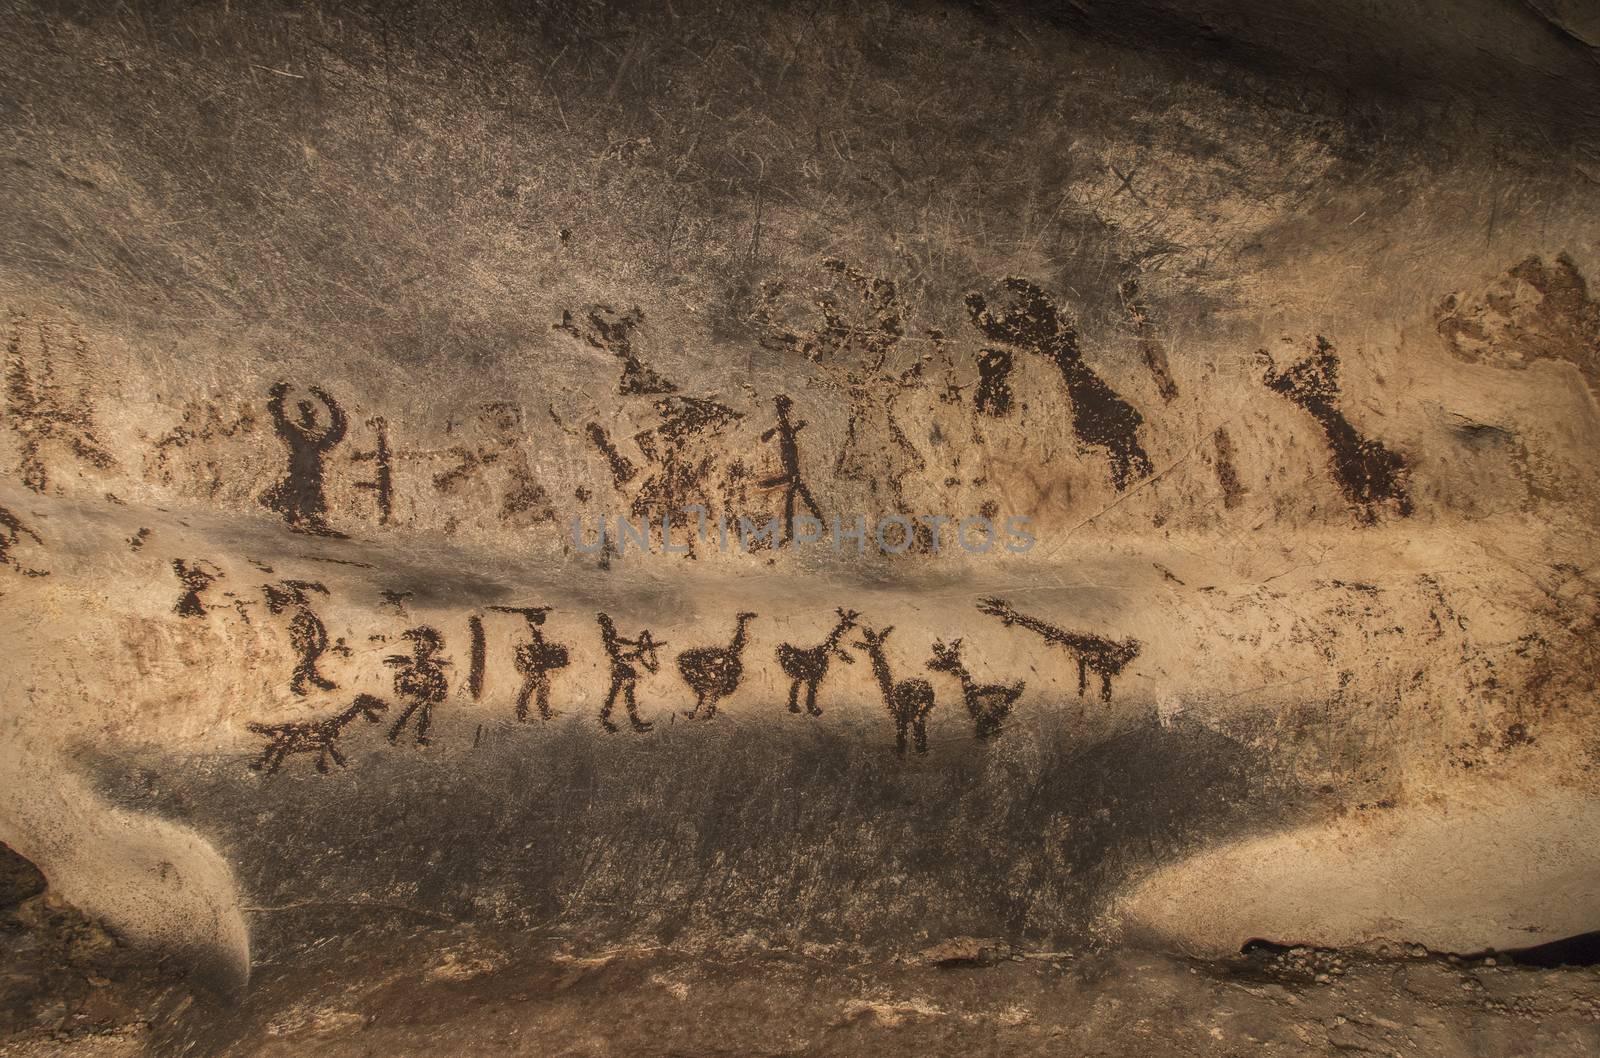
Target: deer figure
{"x": 313, "y": 736}
{"x": 1104, "y": 657}
{"x": 811, "y": 666}
{"x": 714, "y": 672}
{"x": 909, "y": 701}
{"x": 989, "y": 703}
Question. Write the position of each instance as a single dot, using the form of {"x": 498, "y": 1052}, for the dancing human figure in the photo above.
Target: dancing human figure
{"x": 307, "y": 634}
{"x": 623, "y": 653}
{"x": 299, "y": 496}
{"x": 421, "y": 680}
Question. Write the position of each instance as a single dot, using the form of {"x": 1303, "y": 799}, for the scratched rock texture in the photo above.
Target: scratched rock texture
{"x": 324, "y": 324}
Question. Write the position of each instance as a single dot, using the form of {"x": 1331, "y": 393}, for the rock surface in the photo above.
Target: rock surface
{"x": 1264, "y": 347}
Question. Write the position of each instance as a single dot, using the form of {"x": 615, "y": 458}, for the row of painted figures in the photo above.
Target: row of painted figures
{"x": 712, "y": 673}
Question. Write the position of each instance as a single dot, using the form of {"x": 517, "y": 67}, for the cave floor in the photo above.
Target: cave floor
{"x": 464, "y": 991}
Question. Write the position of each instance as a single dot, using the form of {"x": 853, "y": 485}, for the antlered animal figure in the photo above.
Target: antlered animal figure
{"x": 810, "y": 666}
{"x": 909, "y": 701}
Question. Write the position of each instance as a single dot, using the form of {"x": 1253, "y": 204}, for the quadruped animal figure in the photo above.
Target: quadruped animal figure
{"x": 1104, "y": 657}
{"x": 313, "y": 736}
{"x": 909, "y": 701}
{"x": 988, "y": 703}
{"x": 421, "y": 679}
{"x": 535, "y": 660}
{"x": 624, "y": 677}
{"x": 713, "y": 673}
{"x": 810, "y": 666}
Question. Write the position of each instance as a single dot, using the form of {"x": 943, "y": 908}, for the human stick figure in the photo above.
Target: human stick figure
{"x": 535, "y": 660}
{"x": 789, "y": 478}
{"x": 624, "y": 677}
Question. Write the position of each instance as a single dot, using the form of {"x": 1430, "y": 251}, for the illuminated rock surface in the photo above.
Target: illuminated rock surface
{"x": 1264, "y": 343}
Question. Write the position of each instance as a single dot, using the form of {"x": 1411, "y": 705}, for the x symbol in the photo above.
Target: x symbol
{"x": 1127, "y": 183}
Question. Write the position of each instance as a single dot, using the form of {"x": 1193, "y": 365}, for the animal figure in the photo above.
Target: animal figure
{"x": 1104, "y": 657}
{"x": 714, "y": 672}
{"x": 909, "y": 701}
{"x": 421, "y": 679}
{"x": 810, "y": 666}
{"x": 624, "y": 677}
{"x": 313, "y": 736}
{"x": 989, "y": 703}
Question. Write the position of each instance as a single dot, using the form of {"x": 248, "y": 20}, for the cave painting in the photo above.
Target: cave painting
{"x": 909, "y": 701}
{"x": 1106, "y": 658}
{"x": 499, "y": 451}
{"x": 624, "y": 677}
{"x": 12, "y": 530}
{"x": 313, "y": 736}
{"x": 858, "y": 352}
{"x": 298, "y": 497}
{"x": 420, "y": 681}
{"x": 1151, "y": 351}
{"x": 195, "y": 578}
{"x": 681, "y": 451}
{"x": 1100, "y": 418}
{"x": 713, "y": 673}
{"x": 1533, "y": 311}
{"x": 987, "y": 703}
{"x": 994, "y": 383}
{"x": 809, "y": 666}
{"x": 478, "y": 656}
{"x": 610, "y": 331}
{"x": 40, "y": 407}
{"x": 1371, "y": 476}
{"x": 534, "y": 661}
{"x": 382, "y": 459}
{"x": 789, "y": 478}
{"x": 307, "y": 634}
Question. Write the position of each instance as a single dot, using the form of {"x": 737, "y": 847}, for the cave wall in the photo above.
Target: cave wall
{"x": 325, "y": 325}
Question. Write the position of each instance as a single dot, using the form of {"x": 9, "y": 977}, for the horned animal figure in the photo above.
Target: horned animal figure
{"x": 988, "y": 703}
{"x": 714, "y": 672}
{"x": 313, "y": 736}
{"x": 1104, "y": 657}
{"x": 909, "y": 701}
{"x": 810, "y": 666}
